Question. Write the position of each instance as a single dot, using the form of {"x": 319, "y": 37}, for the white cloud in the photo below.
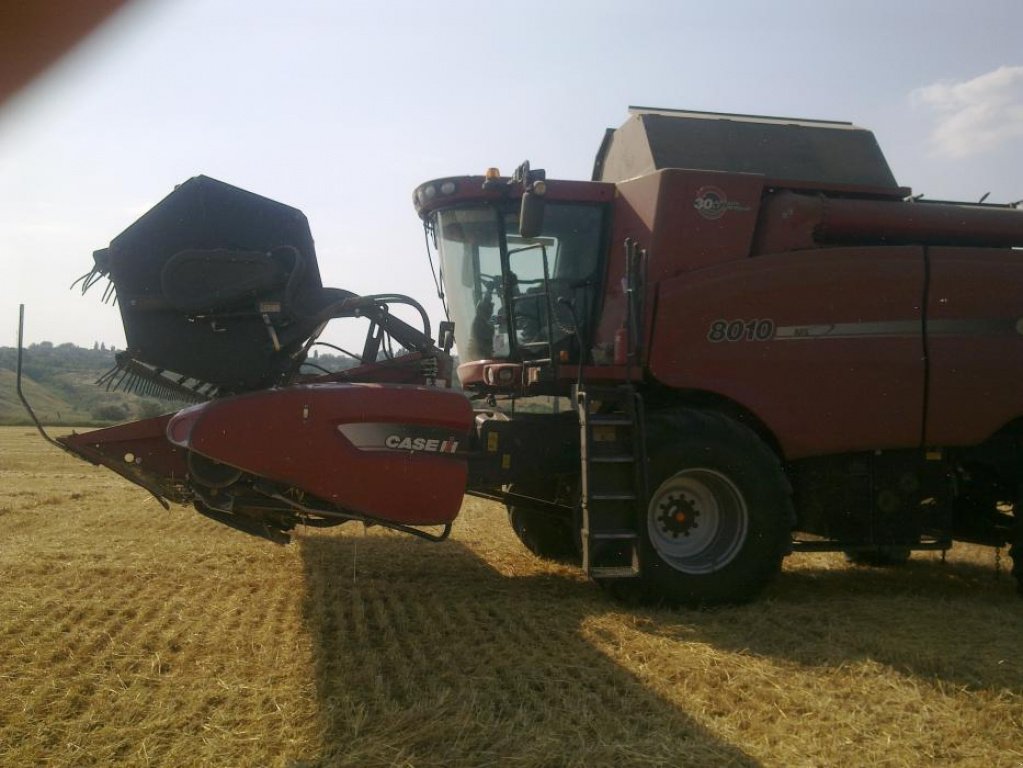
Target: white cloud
{"x": 975, "y": 116}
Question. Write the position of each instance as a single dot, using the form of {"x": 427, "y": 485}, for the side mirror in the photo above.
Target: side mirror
{"x": 531, "y": 215}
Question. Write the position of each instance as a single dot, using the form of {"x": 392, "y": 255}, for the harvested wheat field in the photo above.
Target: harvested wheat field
{"x": 134, "y": 636}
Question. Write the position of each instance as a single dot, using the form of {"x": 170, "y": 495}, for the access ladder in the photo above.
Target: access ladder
{"x": 613, "y": 474}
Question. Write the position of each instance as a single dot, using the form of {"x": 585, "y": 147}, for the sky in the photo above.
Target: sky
{"x": 342, "y": 108}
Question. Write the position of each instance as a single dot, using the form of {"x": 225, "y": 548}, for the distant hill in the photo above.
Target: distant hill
{"x": 60, "y": 384}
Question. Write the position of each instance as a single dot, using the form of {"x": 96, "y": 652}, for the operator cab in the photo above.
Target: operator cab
{"x": 523, "y": 302}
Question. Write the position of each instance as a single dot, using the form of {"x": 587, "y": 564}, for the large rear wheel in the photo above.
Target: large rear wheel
{"x": 719, "y": 517}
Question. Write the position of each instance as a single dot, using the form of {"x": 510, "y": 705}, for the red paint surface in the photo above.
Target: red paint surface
{"x": 975, "y": 306}
{"x": 139, "y": 451}
{"x": 291, "y": 436}
{"x": 817, "y": 396}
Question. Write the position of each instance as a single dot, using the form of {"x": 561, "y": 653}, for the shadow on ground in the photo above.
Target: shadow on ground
{"x": 953, "y": 622}
{"x": 427, "y": 656}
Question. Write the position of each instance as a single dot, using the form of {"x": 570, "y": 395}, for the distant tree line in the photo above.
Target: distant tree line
{"x": 67, "y": 374}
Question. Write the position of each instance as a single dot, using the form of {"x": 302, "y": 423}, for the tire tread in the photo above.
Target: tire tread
{"x": 681, "y": 429}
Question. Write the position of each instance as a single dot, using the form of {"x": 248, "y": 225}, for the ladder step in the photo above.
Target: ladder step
{"x": 614, "y": 536}
{"x": 610, "y": 396}
{"x": 610, "y": 420}
{"x": 613, "y": 572}
{"x": 610, "y": 544}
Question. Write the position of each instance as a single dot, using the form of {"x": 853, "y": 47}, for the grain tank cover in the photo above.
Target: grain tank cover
{"x": 822, "y": 153}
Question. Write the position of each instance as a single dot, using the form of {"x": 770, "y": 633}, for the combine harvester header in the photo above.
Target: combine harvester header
{"x": 221, "y": 300}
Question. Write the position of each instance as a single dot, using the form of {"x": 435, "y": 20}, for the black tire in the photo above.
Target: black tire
{"x": 881, "y": 556}
{"x": 720, "y": 515}
{"x": 545, "y": 535}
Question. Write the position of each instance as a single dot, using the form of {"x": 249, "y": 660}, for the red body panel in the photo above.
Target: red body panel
{"x": 291, "y": 436}
{"x": 841, "y": 369}
{"x": 975, "y": 343}
{"x": 856, "y": 379}
{"x": 662, "y": 213}
{"x": 138, "y": 451}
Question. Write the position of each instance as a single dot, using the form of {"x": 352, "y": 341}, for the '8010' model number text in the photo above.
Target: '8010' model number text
{"x": 740, "y": 330}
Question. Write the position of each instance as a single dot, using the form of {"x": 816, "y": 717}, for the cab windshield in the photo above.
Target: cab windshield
{"x": 516, "y": 298}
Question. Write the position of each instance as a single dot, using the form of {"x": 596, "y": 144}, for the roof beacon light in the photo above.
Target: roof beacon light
{"x": 492, "y": 174}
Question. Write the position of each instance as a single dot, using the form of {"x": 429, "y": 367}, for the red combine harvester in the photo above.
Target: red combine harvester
{"x": 739, "y": 339}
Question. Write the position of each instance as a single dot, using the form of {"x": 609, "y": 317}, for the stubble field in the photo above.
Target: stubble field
{"x": 134, "y": 636}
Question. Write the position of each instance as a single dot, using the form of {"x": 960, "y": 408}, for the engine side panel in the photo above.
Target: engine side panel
{"x": 975, "y": 343}
{"x": 824, "y": 346}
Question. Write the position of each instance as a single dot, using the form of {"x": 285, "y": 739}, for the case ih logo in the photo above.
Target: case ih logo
{"x": 378, "y": 436}
{"x": 404, "y": 443}
{"x": 712, "y": 203}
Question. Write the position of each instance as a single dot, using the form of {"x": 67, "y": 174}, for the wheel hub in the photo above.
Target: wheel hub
{"x": 677, "y": 515}
{"x": 697, "y": 520}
